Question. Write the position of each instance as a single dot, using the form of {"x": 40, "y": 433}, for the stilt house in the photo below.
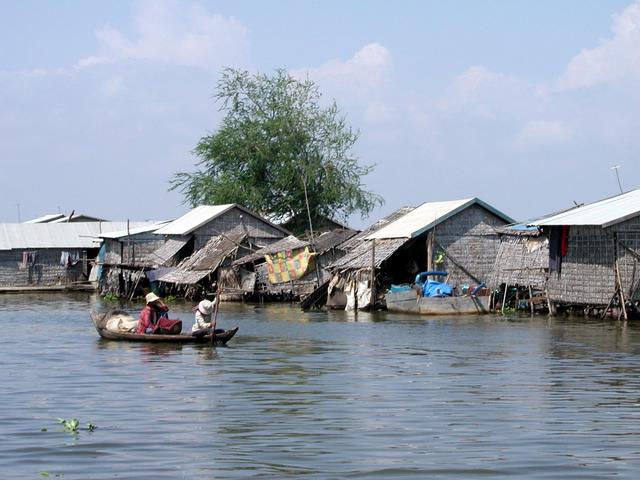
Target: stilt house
{"x": 459, "y": 237}
{"x": 594, "y": 252}
{"x": 214, "y": 235}
{"x": 298, "y": 282}
{"x": 50, "y": 256}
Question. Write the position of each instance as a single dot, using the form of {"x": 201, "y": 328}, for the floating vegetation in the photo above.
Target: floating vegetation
{"x": 73, "y": 426}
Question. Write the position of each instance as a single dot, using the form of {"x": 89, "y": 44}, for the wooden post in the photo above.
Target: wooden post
{"x": 128, "y": 242}
{"x": 504, "y": 298}
{"x": 621, "y": 292}
{"x": 430, "y": 251}
{"x": 312, "y": 243}
{"x": 531, "y": 300}
{"x": 373, "y": 274}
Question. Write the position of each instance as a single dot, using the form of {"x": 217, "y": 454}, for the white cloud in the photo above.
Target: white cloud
{"x": 366, "y": 71}
{"x": 483, "y": 93}
{"x": 543, "y": 133}
{"x": 615, "y": 59}
{"x": 175, "y": 33}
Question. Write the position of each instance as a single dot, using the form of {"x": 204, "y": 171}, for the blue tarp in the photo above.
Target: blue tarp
{"x": 400, "y": 288}
{"x": 431, "y": 288}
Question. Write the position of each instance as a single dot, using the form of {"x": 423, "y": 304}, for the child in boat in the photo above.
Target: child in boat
{"x": 203, "y": 322}
{"x": 154, "y": 319}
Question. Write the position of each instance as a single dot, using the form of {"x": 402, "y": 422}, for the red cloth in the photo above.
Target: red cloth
{"x": 149, "y": 317}
{"x": 564, "y": 241}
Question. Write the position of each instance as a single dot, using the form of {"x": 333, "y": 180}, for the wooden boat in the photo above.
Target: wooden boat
{"x": 100, "y": 322}
{"x": 409, "y": 302}
{"x": 438, "y": 299}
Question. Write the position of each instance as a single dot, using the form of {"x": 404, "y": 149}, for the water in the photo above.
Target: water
{"x": 318, "y": 395}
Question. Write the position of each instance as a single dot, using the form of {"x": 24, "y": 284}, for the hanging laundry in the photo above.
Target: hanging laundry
{"x": 564, "y": 241}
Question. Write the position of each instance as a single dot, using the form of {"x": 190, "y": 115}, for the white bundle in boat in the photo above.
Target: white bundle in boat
{"x": 122, "y": 322}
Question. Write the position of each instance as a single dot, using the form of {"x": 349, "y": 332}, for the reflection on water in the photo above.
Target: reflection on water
{"x": 324, "y": 395}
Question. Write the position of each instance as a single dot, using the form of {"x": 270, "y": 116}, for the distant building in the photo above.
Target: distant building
{"x": 62, "y": 218}
{"x": 46, "y": 255}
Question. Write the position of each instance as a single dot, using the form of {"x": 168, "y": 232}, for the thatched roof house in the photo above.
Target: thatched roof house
{"x": 458, "y": 236}
{"x": 326, "y": 248}
{"x": 208, "y": 238}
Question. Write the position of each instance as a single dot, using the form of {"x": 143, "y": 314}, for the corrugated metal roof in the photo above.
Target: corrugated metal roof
{"x": 203, "y": 214}
{"x": 152, "y": 226}
{"x": 46, "y": 218}
{"x": 20, "y": 236}
{"x": 603, "y": 213}
{"x": 193, "y": 219}
{"x": 428, "y": 215}
{"x": 79, "y": 217}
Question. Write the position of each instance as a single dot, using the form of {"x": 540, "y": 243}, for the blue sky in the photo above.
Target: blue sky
{"x": 525, "y": 104}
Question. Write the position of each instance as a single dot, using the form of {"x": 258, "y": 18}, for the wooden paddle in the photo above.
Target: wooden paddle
{"x": 215, "y": 318}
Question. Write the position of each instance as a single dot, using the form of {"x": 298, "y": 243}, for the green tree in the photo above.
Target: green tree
{"x": 275, "y": 145}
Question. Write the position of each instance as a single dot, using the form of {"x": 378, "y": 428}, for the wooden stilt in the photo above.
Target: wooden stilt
{"x": 504, "y": 298}
{"x": 621, "y": 292}
{"x": 530, "y": 300}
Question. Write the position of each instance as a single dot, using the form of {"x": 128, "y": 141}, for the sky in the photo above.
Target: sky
{"x": 524, "y": 104}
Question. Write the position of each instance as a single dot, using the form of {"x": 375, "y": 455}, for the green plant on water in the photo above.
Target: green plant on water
{"x": 109, "y": 297}
{"x": 169, "y": 299}
{"x": 47, "y": 474}
{"x": 73, "y": 426}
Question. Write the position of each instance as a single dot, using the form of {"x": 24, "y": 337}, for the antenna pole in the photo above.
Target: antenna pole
{"x": 616, "y": 168}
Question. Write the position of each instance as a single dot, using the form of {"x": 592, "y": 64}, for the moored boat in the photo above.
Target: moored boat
{"x": 100, "y": 321}
{"x": 409, "y": 302}
{"x": 431, "y": 297}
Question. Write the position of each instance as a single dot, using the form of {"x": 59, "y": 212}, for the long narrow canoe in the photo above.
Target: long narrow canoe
{"x": 409, "y": 302}
{"x": 100, "y": 321}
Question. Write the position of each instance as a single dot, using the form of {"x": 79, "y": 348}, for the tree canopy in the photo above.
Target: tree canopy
{"x": 276, "y": 144}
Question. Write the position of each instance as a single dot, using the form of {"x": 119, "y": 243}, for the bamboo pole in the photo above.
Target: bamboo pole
{"x": 373, "y": 274}
{"x": 531, "y": 300}
{"x": 621, "y": 292}
{"x": 504, "y": 298}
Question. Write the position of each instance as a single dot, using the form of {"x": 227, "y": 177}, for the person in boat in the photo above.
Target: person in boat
{"x": 203, "y": 322}
{"x": 154, "y": 317}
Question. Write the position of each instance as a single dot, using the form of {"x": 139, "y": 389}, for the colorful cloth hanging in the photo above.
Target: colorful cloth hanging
{"x": 287, "y": 266}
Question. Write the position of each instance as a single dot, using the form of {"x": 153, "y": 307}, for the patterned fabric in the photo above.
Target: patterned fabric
{"x": 287, "y": 266}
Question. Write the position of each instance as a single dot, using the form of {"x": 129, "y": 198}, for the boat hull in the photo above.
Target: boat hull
{"x": 99, "y": 320}
{"x": 409, "y": 302}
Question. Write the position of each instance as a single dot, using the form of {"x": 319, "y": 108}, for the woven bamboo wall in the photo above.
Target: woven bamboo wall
{"x": 588, "y": 270}
{"x": 521, "y": 260}
{"x": 134, "y": 251}
{"x": 46, "y": 270}
{"x": 259, "y": 231}
{"x": 471, "y": 238}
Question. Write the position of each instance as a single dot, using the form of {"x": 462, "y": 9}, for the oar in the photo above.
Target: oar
{"x": 215, "y": 318}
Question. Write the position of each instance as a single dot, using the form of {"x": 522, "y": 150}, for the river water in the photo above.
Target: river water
{"x": 318, "y": 395}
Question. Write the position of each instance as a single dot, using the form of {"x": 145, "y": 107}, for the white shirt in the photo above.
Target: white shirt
{"x": 202, "y": 321}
